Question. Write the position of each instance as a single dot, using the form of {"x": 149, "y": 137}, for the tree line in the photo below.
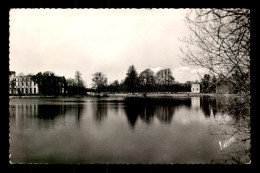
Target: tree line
{"x": 146, "y": 81}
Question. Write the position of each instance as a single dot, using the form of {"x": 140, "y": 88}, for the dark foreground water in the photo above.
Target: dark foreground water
{"x": 124, "y": 130}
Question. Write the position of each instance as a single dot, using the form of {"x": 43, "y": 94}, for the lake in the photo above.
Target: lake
{"x": 123, "y": 130}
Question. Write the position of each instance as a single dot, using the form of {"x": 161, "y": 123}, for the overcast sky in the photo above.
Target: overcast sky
{"x": 98, "y": 40}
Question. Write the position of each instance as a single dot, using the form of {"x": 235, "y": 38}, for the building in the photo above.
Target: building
{"x": 195, "y": 87}
{"x": 25, "y": 85}
{"x": 60, "y": 85}
{"x": 51, "y": 85}
{"x": 22, "y": 84}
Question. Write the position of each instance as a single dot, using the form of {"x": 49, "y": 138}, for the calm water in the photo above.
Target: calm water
{"x": 118, "y": 130}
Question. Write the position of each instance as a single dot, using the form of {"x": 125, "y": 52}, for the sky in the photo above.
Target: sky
{"x": 98, "y": 40}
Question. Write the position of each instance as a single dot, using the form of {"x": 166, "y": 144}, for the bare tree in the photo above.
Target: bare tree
{"x": 147, "y": 80}
{"x": 164, "y": 78}
{"x": 99, "y": 81}
{"x": 220, "y": 42}
{"x": 79, "y": 80}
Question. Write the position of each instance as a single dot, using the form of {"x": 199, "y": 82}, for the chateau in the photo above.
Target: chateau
{"x": 22, "y": 84}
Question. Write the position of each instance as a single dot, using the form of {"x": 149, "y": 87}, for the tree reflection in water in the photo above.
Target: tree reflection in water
{"x": 100, "y": 110}
{"x": 229, "y": 120}
{"x": 208, "y": 104}
{"x": 148, "y": 108}
{"x": 49, "y": 112}
{"x": 45, "y": 115}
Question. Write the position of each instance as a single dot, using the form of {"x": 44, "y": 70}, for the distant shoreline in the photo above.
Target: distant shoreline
{"x": 175, "y": 95}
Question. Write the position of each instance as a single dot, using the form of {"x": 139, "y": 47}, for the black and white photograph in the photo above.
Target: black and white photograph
{"x": 129, "y": 86}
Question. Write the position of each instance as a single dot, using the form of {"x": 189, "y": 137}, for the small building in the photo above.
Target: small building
{"x": 195, "y": 87}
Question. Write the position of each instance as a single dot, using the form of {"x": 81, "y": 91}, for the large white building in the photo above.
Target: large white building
{"x": 26, "y": 85}
{"x": 22, "y": 85}
{"x": 195, "y": 87}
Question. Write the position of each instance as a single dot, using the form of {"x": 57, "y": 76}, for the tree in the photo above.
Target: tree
{"x": 71, "y": 82}
{"x": 164, "y": 79}
{"x": 240, "y": 82}
{"x": 220, "y": 42}
{"x": 78, "y": 79}
{"x": 12, "y": 82}
{"x": 71, "y": 86}
{"x": 12, "y": 86}
{"x": 114, "y": 87}
{"x": 122, "y": 86}
{"x": 205, "y": 83}
{"x": 213, "y": 84}
{"x": 99, "y": 81}
{"x": 131, "y": 80}
{"x": 147, "y": 80}
{"x": 79, "y": 82}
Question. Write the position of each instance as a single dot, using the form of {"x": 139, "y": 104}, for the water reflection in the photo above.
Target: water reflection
{"x": 79, "y": 113}
{"x": 208, "y": 105}
{"x": 44, "y": 115}
{"x": 101, "y": 130}
{"x": 49, "y": 112}
{"x": 148, "y": 108}
{"x": 164, "y": 108}
{"x": 100, "y": 109}
{"x": 145, "y": 109}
